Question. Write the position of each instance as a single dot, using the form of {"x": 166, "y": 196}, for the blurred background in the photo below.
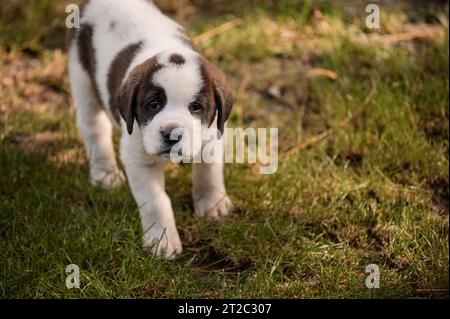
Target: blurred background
{"x": 363, "y": 174}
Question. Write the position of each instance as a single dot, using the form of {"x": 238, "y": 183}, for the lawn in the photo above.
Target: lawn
{"x": 363, "y": 174}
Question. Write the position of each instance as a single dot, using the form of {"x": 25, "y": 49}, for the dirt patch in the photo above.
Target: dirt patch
{"x": 436, "y": 129}
{"x": 34, "y": 85}
{"x": 353, "y": 159}
{"x": 440, "y": 196}
{"x": 209, "y": 262}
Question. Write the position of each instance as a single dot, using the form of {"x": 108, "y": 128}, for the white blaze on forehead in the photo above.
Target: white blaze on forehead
{"x": 181, "y": 82}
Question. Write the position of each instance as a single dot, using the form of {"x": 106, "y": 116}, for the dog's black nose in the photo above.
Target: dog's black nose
{"x": 168, "y": 138}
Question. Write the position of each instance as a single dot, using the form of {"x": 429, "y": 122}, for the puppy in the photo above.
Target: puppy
{"x": 132, "y": 66}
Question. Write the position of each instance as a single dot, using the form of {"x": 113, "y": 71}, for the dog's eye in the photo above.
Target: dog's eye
{"x": 154, "y": 104}
{"x": 196, "y": 106}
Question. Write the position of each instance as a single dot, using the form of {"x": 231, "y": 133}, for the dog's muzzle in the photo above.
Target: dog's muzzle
{"x": 170, "y": 136}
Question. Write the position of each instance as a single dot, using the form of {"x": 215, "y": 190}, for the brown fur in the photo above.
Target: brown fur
{"x": 217, "y": 94}
{"x": 86, "y": 52}
{"x": 82, "y": 37}
{"x": 133, "y": 93}
{"x": 117, "y": 73}
{"x": 177, "y": 59}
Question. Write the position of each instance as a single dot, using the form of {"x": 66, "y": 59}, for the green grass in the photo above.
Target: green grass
{"x": 374, "y": 191}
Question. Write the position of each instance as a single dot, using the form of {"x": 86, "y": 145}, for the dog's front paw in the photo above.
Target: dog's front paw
{"x": 107, "y": 179}
{"x": 162, "y": 243}
{"x": 213, "y": 205}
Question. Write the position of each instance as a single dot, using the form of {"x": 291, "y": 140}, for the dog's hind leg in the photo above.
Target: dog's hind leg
{"x": 94, "y": 126}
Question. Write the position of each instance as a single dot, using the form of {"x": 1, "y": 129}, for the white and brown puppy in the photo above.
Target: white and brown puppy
{"x": 132, "y": 66}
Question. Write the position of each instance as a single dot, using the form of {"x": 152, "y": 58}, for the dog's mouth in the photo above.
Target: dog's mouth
{"x": 167, "y": 151}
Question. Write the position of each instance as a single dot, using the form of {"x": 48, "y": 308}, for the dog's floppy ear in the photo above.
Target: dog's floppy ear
{"x": 127, "y": 100}
{"x": 128, "y": 96}
{"x": 224, "y": 102}
{"x": 223, "y": 98}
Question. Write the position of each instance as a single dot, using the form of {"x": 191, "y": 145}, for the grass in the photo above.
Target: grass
{"x": 374, "y": 191}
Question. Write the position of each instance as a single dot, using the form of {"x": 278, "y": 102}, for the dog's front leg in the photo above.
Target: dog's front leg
{"x": 158, "y": 222}
{"x": 157, "y": 218}
{"x": 208, "y": 192}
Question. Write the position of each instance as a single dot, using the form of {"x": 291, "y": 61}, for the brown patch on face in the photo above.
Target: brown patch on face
{"x": 116, "y": 74}
{"x": 177, "y": 59}
{"x": 135, "y": 94}
{"x": 217, "y": 94}
{"x": 207, "y": 95}
{"x": 86, "y": 52}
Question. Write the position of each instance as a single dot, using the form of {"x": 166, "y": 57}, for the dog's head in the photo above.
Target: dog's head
{"x": 174, "y": 93}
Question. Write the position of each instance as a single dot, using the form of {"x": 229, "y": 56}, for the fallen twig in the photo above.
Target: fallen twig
{"x": 419, "y": 32}
{"x": 319, "y": 72}
{"x": 217, "y": 30}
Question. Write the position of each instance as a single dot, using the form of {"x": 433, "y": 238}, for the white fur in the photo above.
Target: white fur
{"x": 135, "y": 21}
{"x": 181, "y": 84}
